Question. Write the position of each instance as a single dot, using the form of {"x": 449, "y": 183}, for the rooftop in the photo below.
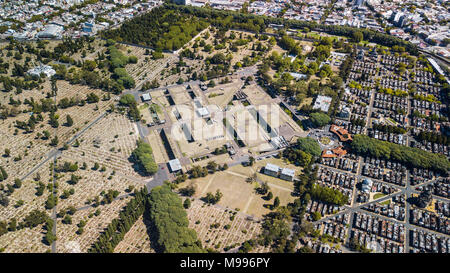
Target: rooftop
{"x": 203, "y": 111}
{"x": 175, "y": 165}
{"x": 146, "y": 97}
{"x": 322, "y": 103}
{"x": 288, "y": 172}
{"x": 272, "y": 167}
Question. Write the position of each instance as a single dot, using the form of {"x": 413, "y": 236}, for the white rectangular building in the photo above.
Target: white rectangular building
{"x": 175, "y": 165}
{"x": 322, "y": 103}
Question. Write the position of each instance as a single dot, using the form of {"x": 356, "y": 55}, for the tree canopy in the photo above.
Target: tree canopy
{"x": 413, "y": 157}
{"x": 143, "y": 155}
{"x": 170, "y": 222}
{"x": 309, "y": 145}
{"x": 319, "y": 119}
{"x": 161, "y": 29}
{"x": 328, "y": 195}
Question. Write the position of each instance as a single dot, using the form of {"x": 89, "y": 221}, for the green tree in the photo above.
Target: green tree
{"x": 319, "y": 119}
{"x": 357, "y": 36}
{"x": 170, "y": 223}
{"x": 69, "y": 120}
{"x": 187, "y": 203}
{"x": 143, "y": 155}
{"x": 309, "y": 145}
{"x": 276, "y": 202}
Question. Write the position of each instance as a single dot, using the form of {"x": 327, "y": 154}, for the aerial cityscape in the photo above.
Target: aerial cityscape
{"x": 224, "y": 126}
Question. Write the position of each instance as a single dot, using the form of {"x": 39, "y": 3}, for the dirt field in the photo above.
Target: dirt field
{"x": 219, "y": 159}
{"x": 222, "y": 94}
{"x": 240, "y": 194}
{"x": 159, "y": 152}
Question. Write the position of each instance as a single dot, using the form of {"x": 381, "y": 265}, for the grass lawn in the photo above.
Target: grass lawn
{"x": 157, "y": 108}
{"x": 378, "y": 195}
{"x": 325, "y": 140}
{"x": 143, "y": 106}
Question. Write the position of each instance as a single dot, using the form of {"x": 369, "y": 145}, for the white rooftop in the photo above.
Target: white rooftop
{"x": 175, "y": 165}
{"x": 202, "y": 111}
{"x": 288, "y": 172}
{"x": 271, "y": 167}
{"x": 38, "y": 70}
{"x": 146, "y": 96}
{"x": 322, "y": 103}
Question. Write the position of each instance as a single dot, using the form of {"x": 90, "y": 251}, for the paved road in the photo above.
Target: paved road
{"x": 158, "y": 179}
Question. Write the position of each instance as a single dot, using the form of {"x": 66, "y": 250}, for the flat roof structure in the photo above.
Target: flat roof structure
{"x": 175, "y": 165}
{"x": 298, "y": 76}
{"x": 323, "y": 103}
{"x": 146, "y": 97}
{"x": 38, "y": 70}
{"x": 288, "y": 172}
{"x": 202, "y": 112}
{"x": 271, "y": 167}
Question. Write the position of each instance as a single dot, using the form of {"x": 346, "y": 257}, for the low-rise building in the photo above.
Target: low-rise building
{"x": 322, "y": 103}
{"x": 41, "y": 69}
{"x": 271, "y": 169}
{"x": 341, "y": 133}
{"x": 146, "y": 97}
{"x": 175, "y": 165}
{"x": 287, "y": 174}
{"x": 366, "y": 185}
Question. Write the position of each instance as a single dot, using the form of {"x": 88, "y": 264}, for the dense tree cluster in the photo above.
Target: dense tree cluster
{"x": 213, "y": 198}
{"x": 133, "y": 111}
{"x": 117, "y": 63}
{"x": 161, "y": 29}
{"x": 346, "y": 66}
{"x": 34, "y": 218}
{"x": 433, "y": 137}
{"x": 178, "y": 24}
{"x": 328, "y": 195}
{"x": 297, "y": 156}
{"x": 289, "y": 44}
{"x": 309, "y": 145}
{"x": 256, "y": 23}
{"x": 143, "y": 155}
{"x": 170, "y": 223}
{"x": 118, "y": 227}
{"x": 275, "y": 231}
{"x": 389, "y": 128}
{"x": 413, "y": 157}
{"x": 319, "y": 119}
{"x": 198, "y": 171}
